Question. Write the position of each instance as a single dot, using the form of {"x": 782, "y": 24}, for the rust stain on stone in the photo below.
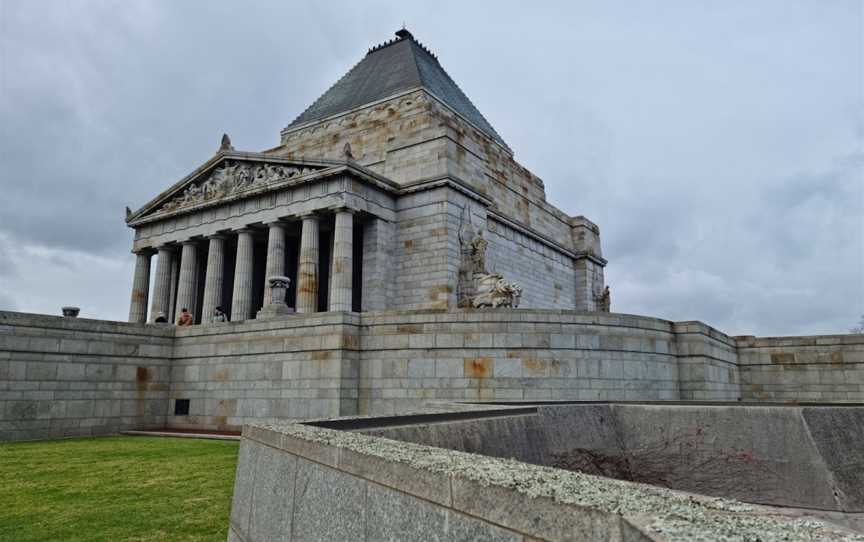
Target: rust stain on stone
{"x": 142, "y": 377}
{"x": 534, "y": 366}
{"x": 409, "y": 243}
{"x": 350, "y": 341}
{"x": 221, "y": 375}
{"x": 409, "y": 328}
{"x": 478, "y": 367}
{"x": 321, "y": 355}
{"x": 837, "y": 358}
{"x": 227, "y": 407}
{"x": 308, "y": 284}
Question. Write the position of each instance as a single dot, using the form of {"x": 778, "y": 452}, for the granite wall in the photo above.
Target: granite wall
{"x": 410, "y": 357}
{"x": 65, "y": 376}
{"x": 74, "y": 376}
{"x": 818, "y": 368}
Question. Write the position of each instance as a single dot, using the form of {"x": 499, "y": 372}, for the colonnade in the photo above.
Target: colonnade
{"x": 164, "y": 299}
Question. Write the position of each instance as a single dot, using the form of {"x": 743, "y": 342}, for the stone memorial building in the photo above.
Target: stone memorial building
{"x": 371, "y": 201}
{"x": 388, "y": 254}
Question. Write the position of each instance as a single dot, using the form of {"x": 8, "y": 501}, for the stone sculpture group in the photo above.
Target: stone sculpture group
{"x": 486, "y": 289}
{"x": 231, "y": 178}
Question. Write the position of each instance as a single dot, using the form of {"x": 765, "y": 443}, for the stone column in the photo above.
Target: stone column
{"x": 186, "y": 287}
{"x": 307, "y": 269}
{"x": 241, "y": 300}
{"x": 275, "y": 257}
{"x": 214, "y": 277}
{"x": 162, "y": 286}
{"x": 171, "y": 314}
{"x": 342, "y": 268}
{"x": 140, "y": 288}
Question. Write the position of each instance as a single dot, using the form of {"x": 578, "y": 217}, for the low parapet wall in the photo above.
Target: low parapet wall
{"x": 302, "y": 482}
{"x": 806, "y": 457}
{"x": 818, "y": 368}
{"x": 67, "y": 376}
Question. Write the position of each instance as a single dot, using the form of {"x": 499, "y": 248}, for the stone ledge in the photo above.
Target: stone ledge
{"x": 514, "y": 495}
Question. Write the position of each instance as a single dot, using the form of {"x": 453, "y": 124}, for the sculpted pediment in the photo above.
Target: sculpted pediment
{"x": 226, "y": 177}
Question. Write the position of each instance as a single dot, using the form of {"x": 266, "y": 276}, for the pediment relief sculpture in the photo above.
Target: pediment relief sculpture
{"x": 232, "y": 177}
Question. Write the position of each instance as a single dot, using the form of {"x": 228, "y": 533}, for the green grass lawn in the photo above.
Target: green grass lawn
{"x": 116, "y": 488}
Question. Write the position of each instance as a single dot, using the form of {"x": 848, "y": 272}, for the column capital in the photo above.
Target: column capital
{"x": 145, "y": 251}
{"x": 218, "y": 235}
{"x": 275, "y": 222}
{"x": 343, "y": 209}
{"x": 166, "y": 248}
{"x": 308, "y": 215}
{"x": 190, "y": 242}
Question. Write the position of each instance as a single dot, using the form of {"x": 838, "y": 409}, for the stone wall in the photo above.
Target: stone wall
{"x": 707, "y": 363}
{"x": 818, "y": 368}
{"x": 414, "y": 137}
{"x": 236, "y": 373}
{"x": 426, "y": 250}
{"x": 546, "y": 275}
{"x": 312, "y": 482}
{"x": 408, "y": 358}
{"x": 74, "y": 376}
{"x": 67, "y": 376}
{"x": 779, "y": 455}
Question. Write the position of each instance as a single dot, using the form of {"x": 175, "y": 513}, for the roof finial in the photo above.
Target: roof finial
{"x": 404, "y": 33}
{"x": 226, "y": 143}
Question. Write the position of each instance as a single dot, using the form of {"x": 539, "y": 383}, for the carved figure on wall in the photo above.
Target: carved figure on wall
{"x": 603, "y": 300}
{"x": 230, "y": 178}
{"x": 493, "y": 291}
{"x": 346, "y": 151}
{"x": 243, "y": 177}
{"x": 478, "y": 253}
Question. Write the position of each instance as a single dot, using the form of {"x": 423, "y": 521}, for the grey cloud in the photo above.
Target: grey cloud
{"x": 715, "y": 146}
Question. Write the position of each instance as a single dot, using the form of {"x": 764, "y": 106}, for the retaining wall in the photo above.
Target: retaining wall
{"x": 301, "y": 482}
{"x": 781, "y": 455}
{"x": 75, "y": 376}
{"x": 65, "y": 376}
{"x": 818, "y": 368}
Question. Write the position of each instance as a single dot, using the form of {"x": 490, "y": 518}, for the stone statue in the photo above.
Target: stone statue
{"x": 493, "y": 291}
{"x": 603, "y": 301}
{"x": 242, "y": 177}
{"x": 478, "y": 253}
{"x": 226, "y": 143}
{"x": 346, "y": 152}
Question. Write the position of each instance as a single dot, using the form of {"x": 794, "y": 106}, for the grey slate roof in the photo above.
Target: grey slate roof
{"x": 388, "y": 69}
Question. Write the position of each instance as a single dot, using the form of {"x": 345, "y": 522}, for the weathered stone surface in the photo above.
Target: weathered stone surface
{"x": 273, "y": 495}
{"x": 342, "y": 496}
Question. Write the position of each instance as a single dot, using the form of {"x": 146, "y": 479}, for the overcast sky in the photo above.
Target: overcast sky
{"x": 717, "y": 144}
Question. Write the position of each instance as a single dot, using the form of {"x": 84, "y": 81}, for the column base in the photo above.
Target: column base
{"x": 274, "y": 310}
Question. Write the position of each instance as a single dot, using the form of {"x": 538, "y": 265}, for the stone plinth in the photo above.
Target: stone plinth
{"x": 277, "y": 286}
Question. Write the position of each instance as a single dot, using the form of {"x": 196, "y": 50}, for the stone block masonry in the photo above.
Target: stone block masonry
{"x": 79, "y": 377}
{"x": 311, "y": 482}
{"x": 68, "y": 377}
{"x": 817, "y": 368}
